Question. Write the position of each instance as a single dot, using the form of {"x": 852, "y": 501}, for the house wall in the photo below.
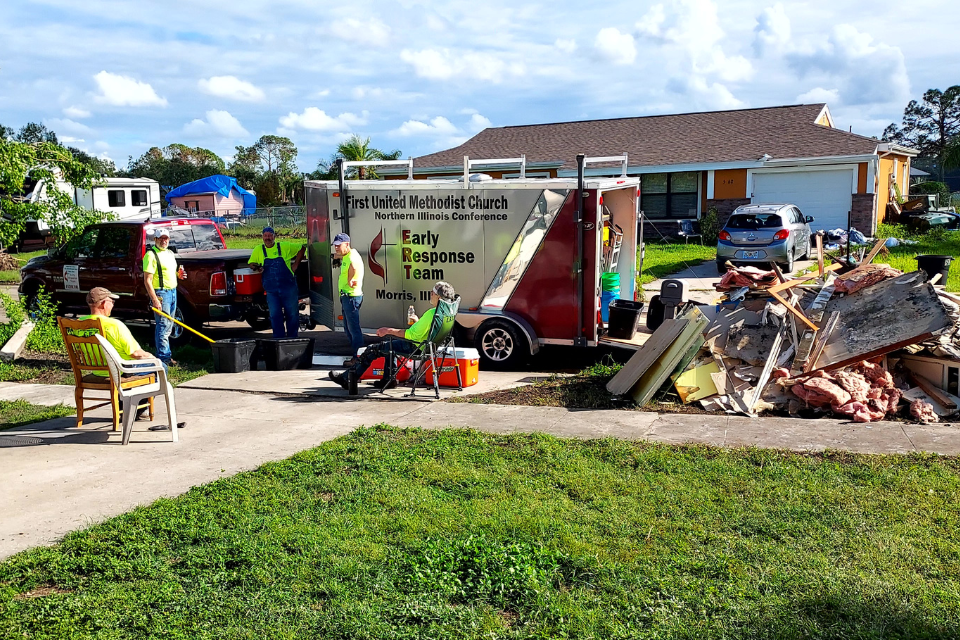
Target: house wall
{"x": 232, "y": 204}
{"x": 205, "y": 200}
{"x": 892, "y": 169}
{"x": 730, "y": 184}
{"x": 221, "y": 205}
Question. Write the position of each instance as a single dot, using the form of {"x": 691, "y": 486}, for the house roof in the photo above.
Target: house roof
{"x": 687, "y": 138}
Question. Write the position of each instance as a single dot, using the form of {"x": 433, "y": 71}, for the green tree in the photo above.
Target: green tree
{"x": 32, "y": 132}
{"x": 930, "y": 126}
{"x": 5, "y": 132}
{"x": 102, "y": 166}
{"x": 23, "y": 164}
{"x": 176, "y": 164}
{"x": 268, "y": 167}
{"x": 356, "y": 148}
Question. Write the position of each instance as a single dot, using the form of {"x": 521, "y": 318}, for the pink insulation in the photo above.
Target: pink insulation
{"x": 864, "y": 391}
{"x": 923, "y": 411}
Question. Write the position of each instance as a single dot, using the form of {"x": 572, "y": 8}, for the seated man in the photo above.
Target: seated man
{"x": 405, "y": 343}
{"x": 100, "y": 302}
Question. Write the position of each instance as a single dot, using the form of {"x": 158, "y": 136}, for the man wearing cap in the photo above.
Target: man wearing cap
{"x": 279, "y": 282}
{"x": 100, "y": 302}
{"x": 160, "y": 274}
{"x": 406, "y": 343}
{"x": 351, "y": 291}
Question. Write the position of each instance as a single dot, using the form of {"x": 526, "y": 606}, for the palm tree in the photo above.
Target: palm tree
{"x": 355, "y": 148}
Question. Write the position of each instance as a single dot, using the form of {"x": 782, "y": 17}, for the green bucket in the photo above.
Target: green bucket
{"x": 610, "y": 282}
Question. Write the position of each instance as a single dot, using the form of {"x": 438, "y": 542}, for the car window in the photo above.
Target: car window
{"x": 114, "y": 242}
{"x": 83, "y": 246}
{"x": 207, "y": 237}
{"x": 799, "y": 214}
{"x": 754, "y": 221}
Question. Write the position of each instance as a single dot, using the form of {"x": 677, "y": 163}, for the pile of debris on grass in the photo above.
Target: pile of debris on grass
{"x": 861, "y": 341}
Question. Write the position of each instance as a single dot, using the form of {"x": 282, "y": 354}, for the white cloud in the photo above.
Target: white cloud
{"x": 219, "y": 124}
{"x": 772, "y": 32}
{"x": 68, "y": 126}
{"x": 314, "y": 119}
{"x": 479, "y": 122}
{"x": 567, "y": 46}
{"x": 819, "y": 94}
{"x": 70, "y": 140}
{"x": 370, "y": 33}
{"x": 692, "y": 26}
{"x": 701, "y": 94}
{"x": 124, "y": 91}
{"x": 76, "y": 112}
{"x": 864, "y": 71}
{"x": 615, "y": 47}
{"x": 437, "y": 126}
{"x": 443, "y": 64}
{"x": 443, "y": 132}
{"x": 232, "y": 88}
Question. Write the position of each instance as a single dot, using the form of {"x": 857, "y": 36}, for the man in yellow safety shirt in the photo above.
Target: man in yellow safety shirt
{"x": 160, "y": 275}
{"x": 279, "y": 261}
{"x": 409, "y": 340}
{"x": 351, "y": 292}
{"x": 100, "y": 302}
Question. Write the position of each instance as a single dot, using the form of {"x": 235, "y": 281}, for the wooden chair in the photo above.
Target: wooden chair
{"x": 86, "y": 357}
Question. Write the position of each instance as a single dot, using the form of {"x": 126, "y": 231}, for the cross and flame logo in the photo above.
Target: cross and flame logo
{"x": 372, "y": 262}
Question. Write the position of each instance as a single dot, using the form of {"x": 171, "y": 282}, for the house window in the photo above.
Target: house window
{"x": 670, "y": 195}
{"x": 138, "y": 197}
{"x": 116, "y": 198}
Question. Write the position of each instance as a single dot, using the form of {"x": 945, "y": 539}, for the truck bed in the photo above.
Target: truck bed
{"x": 214, "y": 254}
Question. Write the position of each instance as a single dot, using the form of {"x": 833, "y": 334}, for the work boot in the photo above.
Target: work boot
{"x": 339, "y": 378}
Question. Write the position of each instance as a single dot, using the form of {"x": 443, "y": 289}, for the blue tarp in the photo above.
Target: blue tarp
{"x": 216, "y": 184}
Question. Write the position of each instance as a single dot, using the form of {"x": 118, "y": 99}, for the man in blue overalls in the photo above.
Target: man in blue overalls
{"x": 279, "y": 282}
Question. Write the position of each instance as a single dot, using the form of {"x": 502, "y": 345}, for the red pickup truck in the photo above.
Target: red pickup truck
{"x": 110, "y": 254}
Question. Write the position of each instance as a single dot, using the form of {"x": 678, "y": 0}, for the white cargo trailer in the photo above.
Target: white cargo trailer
{"x": 525, "y": 255}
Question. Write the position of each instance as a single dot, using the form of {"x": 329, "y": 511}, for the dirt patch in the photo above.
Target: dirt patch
{"x": 575, "y": 392}
{"x": 40, "y": 592}
{"x": 8, "y": 262}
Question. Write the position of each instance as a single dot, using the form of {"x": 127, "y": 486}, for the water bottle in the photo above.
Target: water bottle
{"x": 411, "y": 316}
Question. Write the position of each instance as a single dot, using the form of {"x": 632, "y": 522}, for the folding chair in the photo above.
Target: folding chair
{"x": 439, "y": 341}
{"x": 689, "y": 229}
{"x": 132, "y": 396}
{"x": 86, "y": 357}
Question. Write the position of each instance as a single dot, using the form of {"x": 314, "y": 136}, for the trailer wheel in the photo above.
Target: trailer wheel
{"x": 500, "y": 344}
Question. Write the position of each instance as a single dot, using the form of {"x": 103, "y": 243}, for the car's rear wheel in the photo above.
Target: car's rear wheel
{"x": 788, "y": 266}
{"x": 721, "y": 266}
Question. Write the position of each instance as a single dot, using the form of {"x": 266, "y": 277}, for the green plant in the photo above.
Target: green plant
{"x": 710, "y": 226}
{"x": 15, "y": 316}
{"x": 45, "y": 337}
{"x": 16, "y": 413}
{"x": 938, "y": 188}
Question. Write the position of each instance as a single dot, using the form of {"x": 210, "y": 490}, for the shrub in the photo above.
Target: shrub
{"x": 15, "y": 317}
{"x": 710, "y": 226}
{"x": 45, "y": 336}
{"x": 933, "y": 187}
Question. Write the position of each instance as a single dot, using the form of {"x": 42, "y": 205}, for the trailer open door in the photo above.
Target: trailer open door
{"x": 319, "y": 256}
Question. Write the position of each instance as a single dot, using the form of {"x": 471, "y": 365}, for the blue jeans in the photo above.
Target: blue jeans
{"x": 164, "y": 327}
{"x": 284, "y": 308}
{"x": 351, "y": 321}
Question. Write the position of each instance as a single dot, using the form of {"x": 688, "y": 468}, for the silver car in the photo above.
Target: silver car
{"x": 764, "y": 233}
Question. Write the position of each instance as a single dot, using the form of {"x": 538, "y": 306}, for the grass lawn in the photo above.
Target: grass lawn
{"x": 664, "y": 259}
{"x": 933, "y": 243}
{"x": 14, "y": 413}
{"x": 454, "y": 534}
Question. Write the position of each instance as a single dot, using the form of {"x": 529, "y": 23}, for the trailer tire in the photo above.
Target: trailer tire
{"x": 501, "y": 345}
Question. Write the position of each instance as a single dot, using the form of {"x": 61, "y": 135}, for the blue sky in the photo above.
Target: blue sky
{"x": 117, "y": 77}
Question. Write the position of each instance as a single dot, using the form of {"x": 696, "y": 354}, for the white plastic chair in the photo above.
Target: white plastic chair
{"x": 132, "y": 397}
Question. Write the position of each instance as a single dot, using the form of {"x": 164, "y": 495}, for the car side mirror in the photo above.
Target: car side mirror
{"x": 808, "y": 219}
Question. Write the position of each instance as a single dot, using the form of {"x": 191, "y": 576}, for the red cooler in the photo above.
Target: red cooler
{"x": 375, "y": 370}
{"x": 248, "y": 281}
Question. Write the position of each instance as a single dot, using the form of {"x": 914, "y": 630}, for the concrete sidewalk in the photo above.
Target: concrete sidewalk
{"x": 57, "y": 479}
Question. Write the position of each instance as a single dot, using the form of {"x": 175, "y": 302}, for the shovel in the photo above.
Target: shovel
{"x": 155, "y": 310}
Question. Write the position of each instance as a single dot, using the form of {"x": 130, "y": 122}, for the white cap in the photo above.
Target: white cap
{"x": 162, "y": 231}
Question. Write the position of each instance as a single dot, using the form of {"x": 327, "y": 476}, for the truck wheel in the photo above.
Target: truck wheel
{"x": 180, "y": 336}
{"x": 500, "y": 344}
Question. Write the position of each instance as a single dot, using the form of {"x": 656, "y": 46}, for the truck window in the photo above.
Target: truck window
{"x": 83, "y": 246}
{"x": 138, "y": 197}
{"x": 116, "y": 198}
{"x": 207, "y": 237}
{"x": 114, "y": 242}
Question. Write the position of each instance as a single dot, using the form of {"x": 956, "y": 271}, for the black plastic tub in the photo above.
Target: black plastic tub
{"x": 624, "y": 316}
{"x": 234, "y": 355}
{"x": 932, "y": 265}
{"x": 283, "y": 354}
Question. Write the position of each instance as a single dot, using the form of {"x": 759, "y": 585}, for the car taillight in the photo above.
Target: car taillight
{"x": 218, "y": 284}
{"x": 783, "y": 234}
{"x": 724, "y": 235}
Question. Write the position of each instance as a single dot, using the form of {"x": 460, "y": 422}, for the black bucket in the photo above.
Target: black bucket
{"x": 283, "y": 354}
{"x": 624, "y": 316}
{"x": 932, "y": 265}
{"x": 234, "y": 355}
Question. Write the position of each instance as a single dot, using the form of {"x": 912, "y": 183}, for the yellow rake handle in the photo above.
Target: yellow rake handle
{"x": 155, "y": 310}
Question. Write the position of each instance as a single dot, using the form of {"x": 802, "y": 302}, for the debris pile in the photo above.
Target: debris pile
{"x": 866, "y": 342}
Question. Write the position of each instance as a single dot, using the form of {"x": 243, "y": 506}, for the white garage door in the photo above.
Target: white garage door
{"x": 825, "y": 195}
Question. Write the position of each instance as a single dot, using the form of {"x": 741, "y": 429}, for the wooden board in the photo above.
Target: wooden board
{"x": 882, "y": 318}
{"x": 654, "y": 377}
{"x": 657, "y": 343}
{"x": 697, "y": 383}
